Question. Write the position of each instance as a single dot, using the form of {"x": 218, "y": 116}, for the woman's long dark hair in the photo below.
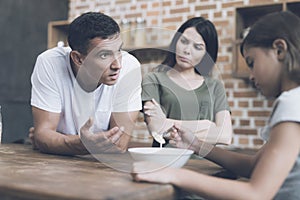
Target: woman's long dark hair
{"x": 209, "y": 34}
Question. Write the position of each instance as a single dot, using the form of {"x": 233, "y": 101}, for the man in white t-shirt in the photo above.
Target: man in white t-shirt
{"x": 85, "y": 98}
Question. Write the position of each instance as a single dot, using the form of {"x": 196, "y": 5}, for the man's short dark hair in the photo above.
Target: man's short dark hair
{"x": 88, "y": 26}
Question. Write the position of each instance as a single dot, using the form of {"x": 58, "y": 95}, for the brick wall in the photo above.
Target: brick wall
{"x": 249, "y": 109}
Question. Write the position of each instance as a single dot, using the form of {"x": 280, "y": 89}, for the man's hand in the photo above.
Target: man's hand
{"x": 31, "y": 137}
{"x": 102, "y": 142}
{"x": 156, "y": 118}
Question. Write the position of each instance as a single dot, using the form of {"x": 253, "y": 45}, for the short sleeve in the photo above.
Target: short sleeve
{"x": 127, "y": 96}
{"x": 221, "y": 102}
{"x": 44, "y": 92}
{"x": 286, "y": 108}
{"x": 150, "y": 88}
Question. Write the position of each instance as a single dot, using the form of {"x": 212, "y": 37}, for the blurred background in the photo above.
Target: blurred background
{"x": 23, "y": 35}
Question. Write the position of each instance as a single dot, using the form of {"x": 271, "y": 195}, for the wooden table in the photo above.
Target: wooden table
{"x": 29, "y": 174}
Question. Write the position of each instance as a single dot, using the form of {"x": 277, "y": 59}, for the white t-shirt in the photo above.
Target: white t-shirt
{"x": 55, "y": 89}
{"x": 286, "y": 109}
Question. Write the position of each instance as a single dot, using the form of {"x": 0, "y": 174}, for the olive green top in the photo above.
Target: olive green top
{"x": 182, "y": 104}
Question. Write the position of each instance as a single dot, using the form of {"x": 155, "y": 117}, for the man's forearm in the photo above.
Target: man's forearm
{"x": 57, "y": 143}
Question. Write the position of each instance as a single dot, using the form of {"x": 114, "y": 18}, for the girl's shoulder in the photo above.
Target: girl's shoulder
{"x": 284, "y": 107}
{"x": 290, "y": 97}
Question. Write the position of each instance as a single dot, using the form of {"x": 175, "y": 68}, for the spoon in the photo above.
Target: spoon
{"x": 158, "y": 137}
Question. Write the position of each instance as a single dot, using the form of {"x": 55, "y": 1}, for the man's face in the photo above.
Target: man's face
{"x": 102, "y": 64}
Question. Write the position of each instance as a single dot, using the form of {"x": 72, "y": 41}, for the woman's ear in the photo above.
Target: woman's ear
{"x": 281, "y": 48}
{"x": 76, "y": 57}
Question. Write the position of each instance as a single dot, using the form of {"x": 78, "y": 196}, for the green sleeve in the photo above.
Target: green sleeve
{"x": 221, "y": 102}
{"x": 150, "y": 87}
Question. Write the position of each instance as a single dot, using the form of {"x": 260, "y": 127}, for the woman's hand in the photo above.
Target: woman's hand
{"x": 156, "y": 118}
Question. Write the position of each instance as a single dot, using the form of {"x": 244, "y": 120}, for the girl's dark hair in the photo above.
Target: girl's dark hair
{"x": 278, "y": 25}
{"x": 209, "y": 34}
{"x": 88, "y": 26}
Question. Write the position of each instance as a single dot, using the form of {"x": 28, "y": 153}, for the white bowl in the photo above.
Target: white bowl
{"x": 171, "y": 157}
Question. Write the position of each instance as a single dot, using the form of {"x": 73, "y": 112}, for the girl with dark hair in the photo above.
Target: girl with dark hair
{"x": 180, "y": 89}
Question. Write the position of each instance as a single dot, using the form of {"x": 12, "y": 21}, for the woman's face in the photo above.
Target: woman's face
{"x": 190, "y": 48}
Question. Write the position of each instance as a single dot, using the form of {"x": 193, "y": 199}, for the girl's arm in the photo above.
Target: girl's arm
{"x": 219, "y": 132}
{"x": 268, "y": 170}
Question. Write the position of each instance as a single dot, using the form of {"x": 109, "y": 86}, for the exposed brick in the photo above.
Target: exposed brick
{"x": 180, "y": 10}
{"x": 154, "y": 22}
{"x": 231, "y": 103}
{"x": 180, "y": 2}
{"x": 205, "y": 15}
{"x": 243, "y": 140}
{"x": 227, "y": 76}
{"x": 133, "y": 15}
{"x": 153, "y": 13}
{"x": 144, "y": 6}
{"x": 260, "y": 122}
{"x": 258, "y": 113}
{"x": 225, "y": 41}
{"x": 122, "y": 1}
{"x": 172, "y": 27}
{"x": 166, "y": 3}
{"x": 244, "y": 122}
{"x": 206, "y": 7}
{"x": 232, "y": 4}
{"x": 227, "y": 67}
{"x": 229, "y": 85}
{"x": 217, "y": 14}
{"x": 223, "y": 58}
{"x": 258, "y": 103}
{"x": 244, "y": 104}
{"x": 221, "y": 23}
{"x": 257, "y": 2}
{"x": 172, "y": 19}
{"x": 82, "y": 7}
{"x": 230, "y": 13}
{"x": 245, "y": 131}
{"x": 155, "y": 4}
{"x": 236, "y": 113}
{"x": 244, "y": 94}
{"x": 258, "y": 142}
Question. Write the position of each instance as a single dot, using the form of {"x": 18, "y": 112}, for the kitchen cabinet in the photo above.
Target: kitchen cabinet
{"x": 245, "y": 17}
{"x": 57, "y": 32}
